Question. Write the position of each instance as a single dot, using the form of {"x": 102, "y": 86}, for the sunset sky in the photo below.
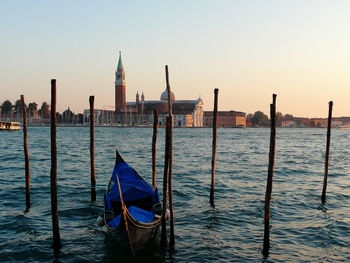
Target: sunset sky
{"x": 299, "y": 50}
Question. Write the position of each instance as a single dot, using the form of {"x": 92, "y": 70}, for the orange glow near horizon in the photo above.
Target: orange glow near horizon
{"x": 298, "y": 50}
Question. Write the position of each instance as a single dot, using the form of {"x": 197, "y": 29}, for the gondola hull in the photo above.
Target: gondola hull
{"x": 132, "y": 208}
{"x": 135, "y": 235}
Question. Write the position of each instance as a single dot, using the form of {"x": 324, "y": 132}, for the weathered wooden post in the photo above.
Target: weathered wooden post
{"x": 213, "y": 156}
{"x": 163, "y": 240}
{"x": 270, "y": 176}
{"x": 326, "y": 163}
{"x": 53, "y": 173}
{"x": 26, "y": 154}
{"x": 154, "y": 141}
{"x": 92, "y": 150}
{"x": 170, "y": 131}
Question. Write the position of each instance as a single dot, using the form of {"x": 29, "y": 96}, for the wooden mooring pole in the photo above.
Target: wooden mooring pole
{"x": 26, "y": 154}
{"x": 92, "y": 149}
{"x": 163, "y": 239}
{"x": 53, "y": 173}
{"x": 154, "y": 142}
{"x": 170, "y": 132}
{"x": 171, "y": 207}
{"x": 213, "y": 156}
{"x": 270, "y": 176}
{"x": 326, "y": 163}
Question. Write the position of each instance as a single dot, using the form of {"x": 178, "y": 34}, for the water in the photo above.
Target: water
{"x": 302, "y": 229}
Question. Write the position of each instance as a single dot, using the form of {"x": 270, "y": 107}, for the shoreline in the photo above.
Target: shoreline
{"x": 142, "y": 127}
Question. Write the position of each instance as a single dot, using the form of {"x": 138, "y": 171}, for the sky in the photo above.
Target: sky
{"x": 248, "y": 49}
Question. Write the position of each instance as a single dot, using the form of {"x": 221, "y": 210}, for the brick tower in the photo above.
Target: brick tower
{"x": 120, "y": 85}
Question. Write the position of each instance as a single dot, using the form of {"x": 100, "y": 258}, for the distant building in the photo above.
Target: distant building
{"x": 344, "y": 120}
{"x": 249, "y": 123}
{"x": 288, "y": 123}
{"x": 226, "y": 119}
{"x": 302, "y": 122}
{"x": 315, "y": 122}
{"x": 341, "y": 122}
{"x": 323, "y": 122}
{"x": 186, "y": 113}
{"x": 101, "y": 117}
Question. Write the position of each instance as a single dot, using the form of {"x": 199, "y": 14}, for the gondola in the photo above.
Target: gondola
{"x": 132, "y": 208}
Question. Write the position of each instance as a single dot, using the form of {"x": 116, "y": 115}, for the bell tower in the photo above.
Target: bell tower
{"x": 120, "y": 85}
{"x": 137, "y": 98}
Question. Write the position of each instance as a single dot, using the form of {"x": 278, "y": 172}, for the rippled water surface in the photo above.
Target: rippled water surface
{"x": 302, "y": 229}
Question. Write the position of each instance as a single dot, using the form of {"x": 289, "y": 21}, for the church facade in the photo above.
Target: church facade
{"x": 186, "y": 113}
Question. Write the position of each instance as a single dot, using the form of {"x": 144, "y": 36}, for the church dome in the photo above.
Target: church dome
{"x": 164, "y": 96}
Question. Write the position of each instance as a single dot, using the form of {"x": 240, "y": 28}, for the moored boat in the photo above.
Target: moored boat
{"x": 132, "y": 207}
{"x": 10, "y": 126}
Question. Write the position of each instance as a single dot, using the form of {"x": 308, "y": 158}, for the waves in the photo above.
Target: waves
{"x": 302, "y": 229}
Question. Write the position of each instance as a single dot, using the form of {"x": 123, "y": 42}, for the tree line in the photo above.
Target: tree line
{"x": 261, "y": 119}
{"x": 8, "y": 109}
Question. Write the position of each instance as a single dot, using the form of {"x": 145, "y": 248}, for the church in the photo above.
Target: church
{"x": 186, "y": 113}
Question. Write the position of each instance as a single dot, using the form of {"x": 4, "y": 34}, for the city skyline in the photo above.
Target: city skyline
{"x": 248, "y": 50}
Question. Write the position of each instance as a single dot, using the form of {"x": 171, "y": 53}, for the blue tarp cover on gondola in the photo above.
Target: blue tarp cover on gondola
{"x": 137, "y": 213}
{"x": 132, "y": 185}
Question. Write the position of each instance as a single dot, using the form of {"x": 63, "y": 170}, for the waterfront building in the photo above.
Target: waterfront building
{"x": 102, "y": 117}
{"x": 323, "y": 122}
{"x": 288, "y": 123}
{"x": 235, "y": 119}
{"x": 186, "y": 113}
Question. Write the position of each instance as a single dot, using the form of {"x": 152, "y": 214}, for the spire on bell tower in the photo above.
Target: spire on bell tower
{"x": 120, "y": 67}
{"x": 120, "y": 73}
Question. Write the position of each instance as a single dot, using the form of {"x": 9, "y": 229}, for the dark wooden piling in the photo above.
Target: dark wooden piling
{"x": 92, "y": 149}
{"x": 270, "y": 176}
{"x": 326, "y": 163}
{"x": 171, "y": 207}
{"x": 154, "y": 142}
{"x": 53, "y": 173}
{"x": 26, "y": 154}
{"x": 213, "y": 156}
{"x": 170, "y": 132}
{"x": 168, "y": 90}
{"x": 163, "y": 240}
